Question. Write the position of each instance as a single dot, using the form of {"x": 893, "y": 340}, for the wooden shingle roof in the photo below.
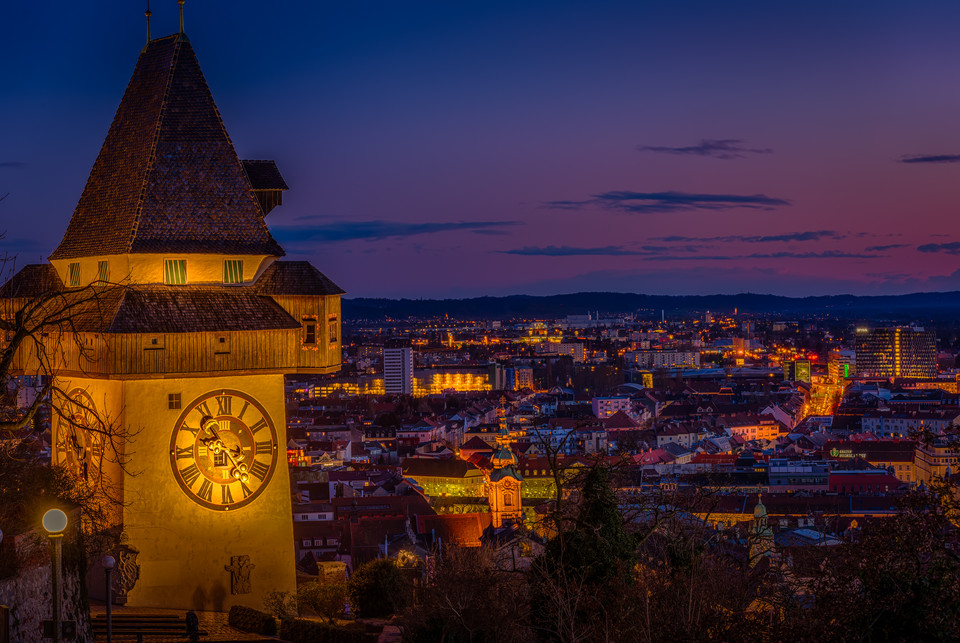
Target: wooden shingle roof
{"x": 167, "y": 178}
{"x": 264, "y": 175}
{"x": 186, "y": 310}
{"x": 295, "y": 278}
{"x": 31, "y": 281}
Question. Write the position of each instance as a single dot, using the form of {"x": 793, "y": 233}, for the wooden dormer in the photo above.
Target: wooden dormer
{"x": 266, "y": 182}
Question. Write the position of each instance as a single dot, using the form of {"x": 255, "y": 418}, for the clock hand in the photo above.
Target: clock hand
{"x": 77, "y": 447}
{"x": 239, "y": 470}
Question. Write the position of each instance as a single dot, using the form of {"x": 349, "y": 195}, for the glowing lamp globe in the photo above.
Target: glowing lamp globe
{"x": 54, "y": 521}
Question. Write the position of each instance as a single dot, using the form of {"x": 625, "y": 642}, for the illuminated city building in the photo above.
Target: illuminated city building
{"x": 573, "y": 349}
{"x": 604, "y": 407}
{"x": 841, "y": 365}
{"x": 797, "y": 371}
{"x": 524, "y": 377}
{"x": 937, "y": 459}
{"x": 510, "y": 378}
{"x": 891, "y": 424}
{"x": 898, "y": 456}
{"x": 398, "y": 370}
{"x": 896, "y": 352}
{"x": 646, "y": 359}
{"x": 184, "y": 346}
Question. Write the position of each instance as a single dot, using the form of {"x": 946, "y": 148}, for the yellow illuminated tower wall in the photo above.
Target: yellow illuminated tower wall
{"x": 190, "y": 321}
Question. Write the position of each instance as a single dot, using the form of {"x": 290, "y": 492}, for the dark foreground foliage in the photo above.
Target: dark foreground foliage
{"x": 672, "y": 577}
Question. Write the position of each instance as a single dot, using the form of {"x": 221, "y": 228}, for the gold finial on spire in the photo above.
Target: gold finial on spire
{"x": 148, "y": 13}
{"x": 180, "y": 2}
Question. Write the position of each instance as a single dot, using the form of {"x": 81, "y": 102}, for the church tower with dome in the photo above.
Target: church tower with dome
{"x": 504, "y": 481}
{"x": 761, "y": 535}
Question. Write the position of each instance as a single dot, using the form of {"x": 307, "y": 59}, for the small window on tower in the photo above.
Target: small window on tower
{"x": 103, "y": 272}
{"x": 173, "y": 401}
{"x": 310, "y": 331}
{"x": 74, "y": 275}
{"x": 175, "y": 272}
{"x": 233, "y": 271}
{"x": 222, "y": 345}
{"x": 333, "y": 327}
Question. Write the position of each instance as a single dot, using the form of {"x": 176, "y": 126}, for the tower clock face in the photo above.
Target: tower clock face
{"x": 223, "y": 450}
{"x": 78, "y": 447}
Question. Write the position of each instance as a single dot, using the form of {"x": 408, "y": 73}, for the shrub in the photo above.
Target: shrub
{"x": 280, "y": 604}
{"x": 326, "y": 600}
{"x": 248, "y": 619}
{"x": 377, "y": 589}
{"x": 298, "y": 630}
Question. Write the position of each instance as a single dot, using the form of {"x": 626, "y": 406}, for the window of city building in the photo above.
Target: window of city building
{"x": 74, "y": 275}
{"x": 175, "y": 272}
{"x": 233, "y": 271}
{"x": 173, "y": 401}
{"x": 103, "y": 272}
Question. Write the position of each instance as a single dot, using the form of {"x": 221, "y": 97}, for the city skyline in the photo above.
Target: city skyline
{"x": 539, "y": 148}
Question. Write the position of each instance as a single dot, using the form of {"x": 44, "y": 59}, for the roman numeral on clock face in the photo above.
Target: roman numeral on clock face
{"x": 224, "y": 404}
{"x": 204, "y": 409}
{"x": 206, "y": 490}
{"x": 226, "y": 497}
{"x": 184, "y": 452}
{"x": 259, "y": 469}
{"x": 264, "y": 446}
{"x": 190, "y": 474}
{"x": 262, "y": 424}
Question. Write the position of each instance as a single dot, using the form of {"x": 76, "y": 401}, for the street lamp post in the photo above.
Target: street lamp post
{"x": 55, "y": 521}
{"x": 108, "y": 563}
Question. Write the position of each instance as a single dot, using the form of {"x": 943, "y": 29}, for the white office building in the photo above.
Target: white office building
{"x": 398, "y": 371}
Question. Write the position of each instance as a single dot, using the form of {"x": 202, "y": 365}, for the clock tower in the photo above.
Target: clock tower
{"x": 194, "y": 321}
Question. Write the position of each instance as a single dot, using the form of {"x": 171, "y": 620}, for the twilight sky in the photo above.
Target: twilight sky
{"x": 452, "y": 149}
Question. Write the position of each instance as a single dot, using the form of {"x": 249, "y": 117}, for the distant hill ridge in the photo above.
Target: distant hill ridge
{"x": 936, "y": 305}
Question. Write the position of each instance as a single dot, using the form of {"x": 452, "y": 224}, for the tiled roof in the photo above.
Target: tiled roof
{"x": 476, "y": 444}
{"x": 431, "y": 467}
{"x": 295, "y": 278}
{"x": 31, "y": 281}
{"x": 167, "y": 178}
{"x": 154, "y": 310}
{"x": 183, "y": 309}
{"x": 463, "y": 530}
{"x": 264, "y": 175}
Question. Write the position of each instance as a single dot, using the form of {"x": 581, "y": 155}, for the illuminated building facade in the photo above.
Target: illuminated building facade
{"x": 841, "y": 365}
{"x": 398, "y": 370}
{"x": 604, "y": 407}
{"x": 937, "y": 459}
{"x": 797, "y": 371}
{"x": 189, "y": 324}
{"x": 896, "y": 352}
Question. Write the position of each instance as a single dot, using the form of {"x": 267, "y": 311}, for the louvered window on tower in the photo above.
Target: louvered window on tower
{"x": 233, "y": 271}
{"x": 74, "y": 275}
{"x": 175, "y": 272}
{"x": 103, "y": 272}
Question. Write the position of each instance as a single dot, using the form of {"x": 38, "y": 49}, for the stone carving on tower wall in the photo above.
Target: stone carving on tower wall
{"x": 239, "y": 569}
{"x": 126, "y": 573}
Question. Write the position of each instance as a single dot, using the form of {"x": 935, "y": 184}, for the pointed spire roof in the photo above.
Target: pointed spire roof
{"x": 167, "y": 179}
